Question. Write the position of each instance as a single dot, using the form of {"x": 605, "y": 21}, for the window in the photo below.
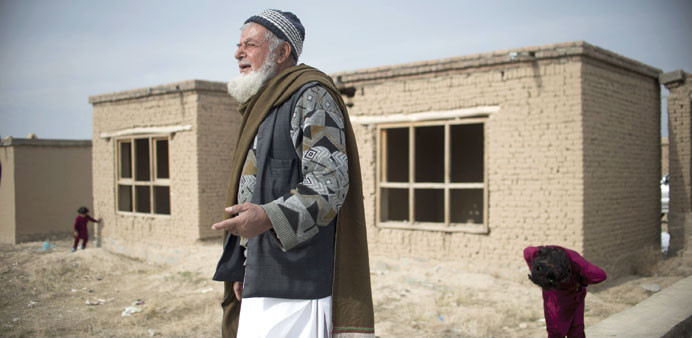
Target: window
{"x": 432, "y": 176}
{"x": 143, "y": 176}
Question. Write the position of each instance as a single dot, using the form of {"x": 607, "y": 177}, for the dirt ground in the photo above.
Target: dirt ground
{"x": 57, "y": 293}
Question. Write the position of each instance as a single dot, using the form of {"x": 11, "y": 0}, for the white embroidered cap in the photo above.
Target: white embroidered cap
{"x": 285, "y": 25}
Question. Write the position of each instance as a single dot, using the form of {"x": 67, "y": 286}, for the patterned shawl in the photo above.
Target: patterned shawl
{"x": 352, "y": 310}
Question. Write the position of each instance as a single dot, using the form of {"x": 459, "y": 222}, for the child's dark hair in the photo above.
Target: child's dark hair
{"x": 550, "y": 267}
{"x": 83, "y": 210}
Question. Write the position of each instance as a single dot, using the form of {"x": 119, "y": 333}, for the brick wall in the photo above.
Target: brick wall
{"x": 195, "y": 158}
{"x": 664, "y": 156}
{"x": 679, "y": 84}
{"x": 622, "y": 152}
{"x": 218, "y": 123}
{"x": 536, "y": 145}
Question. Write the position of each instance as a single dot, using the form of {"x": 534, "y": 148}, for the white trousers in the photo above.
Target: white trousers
{"x": 293, "y": 318}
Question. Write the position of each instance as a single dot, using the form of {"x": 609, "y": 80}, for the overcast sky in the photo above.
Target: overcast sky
{"x": 55, "y": 54}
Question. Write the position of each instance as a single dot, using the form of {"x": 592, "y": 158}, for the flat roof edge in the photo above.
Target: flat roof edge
{"x": 673, "y": 77}
{"x": 11, "y": 141}
{"x": 175, "y": 87}
{"x": 519, "y": 55}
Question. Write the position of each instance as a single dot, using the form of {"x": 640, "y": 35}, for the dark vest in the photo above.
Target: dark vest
{"x": 305, "y": 271}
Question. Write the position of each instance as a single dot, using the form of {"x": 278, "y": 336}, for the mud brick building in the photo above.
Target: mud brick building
{"x": 679, "y": 84}
{"x": 474, "y": 158}
{"x": 469, "y": 158}
{"x": 42, "y": 184}
{"x": 161, "y": 165}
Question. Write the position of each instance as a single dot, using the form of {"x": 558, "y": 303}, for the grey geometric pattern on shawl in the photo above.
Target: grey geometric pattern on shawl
{"x": 317, "y": 132}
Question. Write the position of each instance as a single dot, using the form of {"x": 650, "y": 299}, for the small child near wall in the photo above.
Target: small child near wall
{"x": 80, "y": 227}
{"x": 563, "y": 274}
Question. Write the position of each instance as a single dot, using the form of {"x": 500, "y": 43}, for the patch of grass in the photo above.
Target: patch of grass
{"x": 192, "y": 277}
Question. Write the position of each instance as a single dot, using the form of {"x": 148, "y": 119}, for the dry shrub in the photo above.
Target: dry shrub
{"x": 187, "y": 277}
{"x": 598, "y": 307}
{"x": 52, "y": 272}
{"x": 645, "y": 260}
{"x": 678, "y": 265}
{"x": 480, "y": 322}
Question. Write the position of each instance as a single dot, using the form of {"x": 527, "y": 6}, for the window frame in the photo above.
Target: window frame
{"x": 154, "y": 180}
{"x": 446, "y": 185}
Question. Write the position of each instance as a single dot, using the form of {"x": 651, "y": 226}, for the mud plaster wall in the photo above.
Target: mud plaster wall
{"x": 50, "y": 176}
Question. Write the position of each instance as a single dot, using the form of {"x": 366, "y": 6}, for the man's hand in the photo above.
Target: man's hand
{"x": 238, "y": 290}
{"x": 251, "y": 220}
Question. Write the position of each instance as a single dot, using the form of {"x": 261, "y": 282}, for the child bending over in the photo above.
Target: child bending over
{"x": 563, "y": 274}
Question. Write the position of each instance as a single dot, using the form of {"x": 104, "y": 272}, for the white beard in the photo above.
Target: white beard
{"x": 244, "y": 86}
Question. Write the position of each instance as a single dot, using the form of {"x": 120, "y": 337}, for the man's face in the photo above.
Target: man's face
{"x": 252, "y": 49}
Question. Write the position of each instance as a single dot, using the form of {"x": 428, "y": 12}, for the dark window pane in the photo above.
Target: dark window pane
{"x": 162, "y": 159}
{"x": 124, "y": 197}
{"x": 429, "y": 204}
{"x": 125, "y": 159}
{"x": 142, "y": 159}
{"x": 430, "y": 154}
{"x": 143, "y": 198}
{"x": 395, "y": 164}
{"x": 466, "y": 206}
{"x": 162, "y": 200}
{"x": 467, "y": 152}
{"x": 394, "y": 205}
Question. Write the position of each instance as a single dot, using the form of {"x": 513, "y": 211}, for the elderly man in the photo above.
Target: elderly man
{"x": 295, "y": 253}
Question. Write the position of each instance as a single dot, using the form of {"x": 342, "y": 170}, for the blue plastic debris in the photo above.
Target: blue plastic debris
{"x": 47, "y": 246}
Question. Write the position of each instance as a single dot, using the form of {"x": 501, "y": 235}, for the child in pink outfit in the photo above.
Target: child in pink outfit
{"x": 80, "y": 227}
{"x": 563, "y": 274}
